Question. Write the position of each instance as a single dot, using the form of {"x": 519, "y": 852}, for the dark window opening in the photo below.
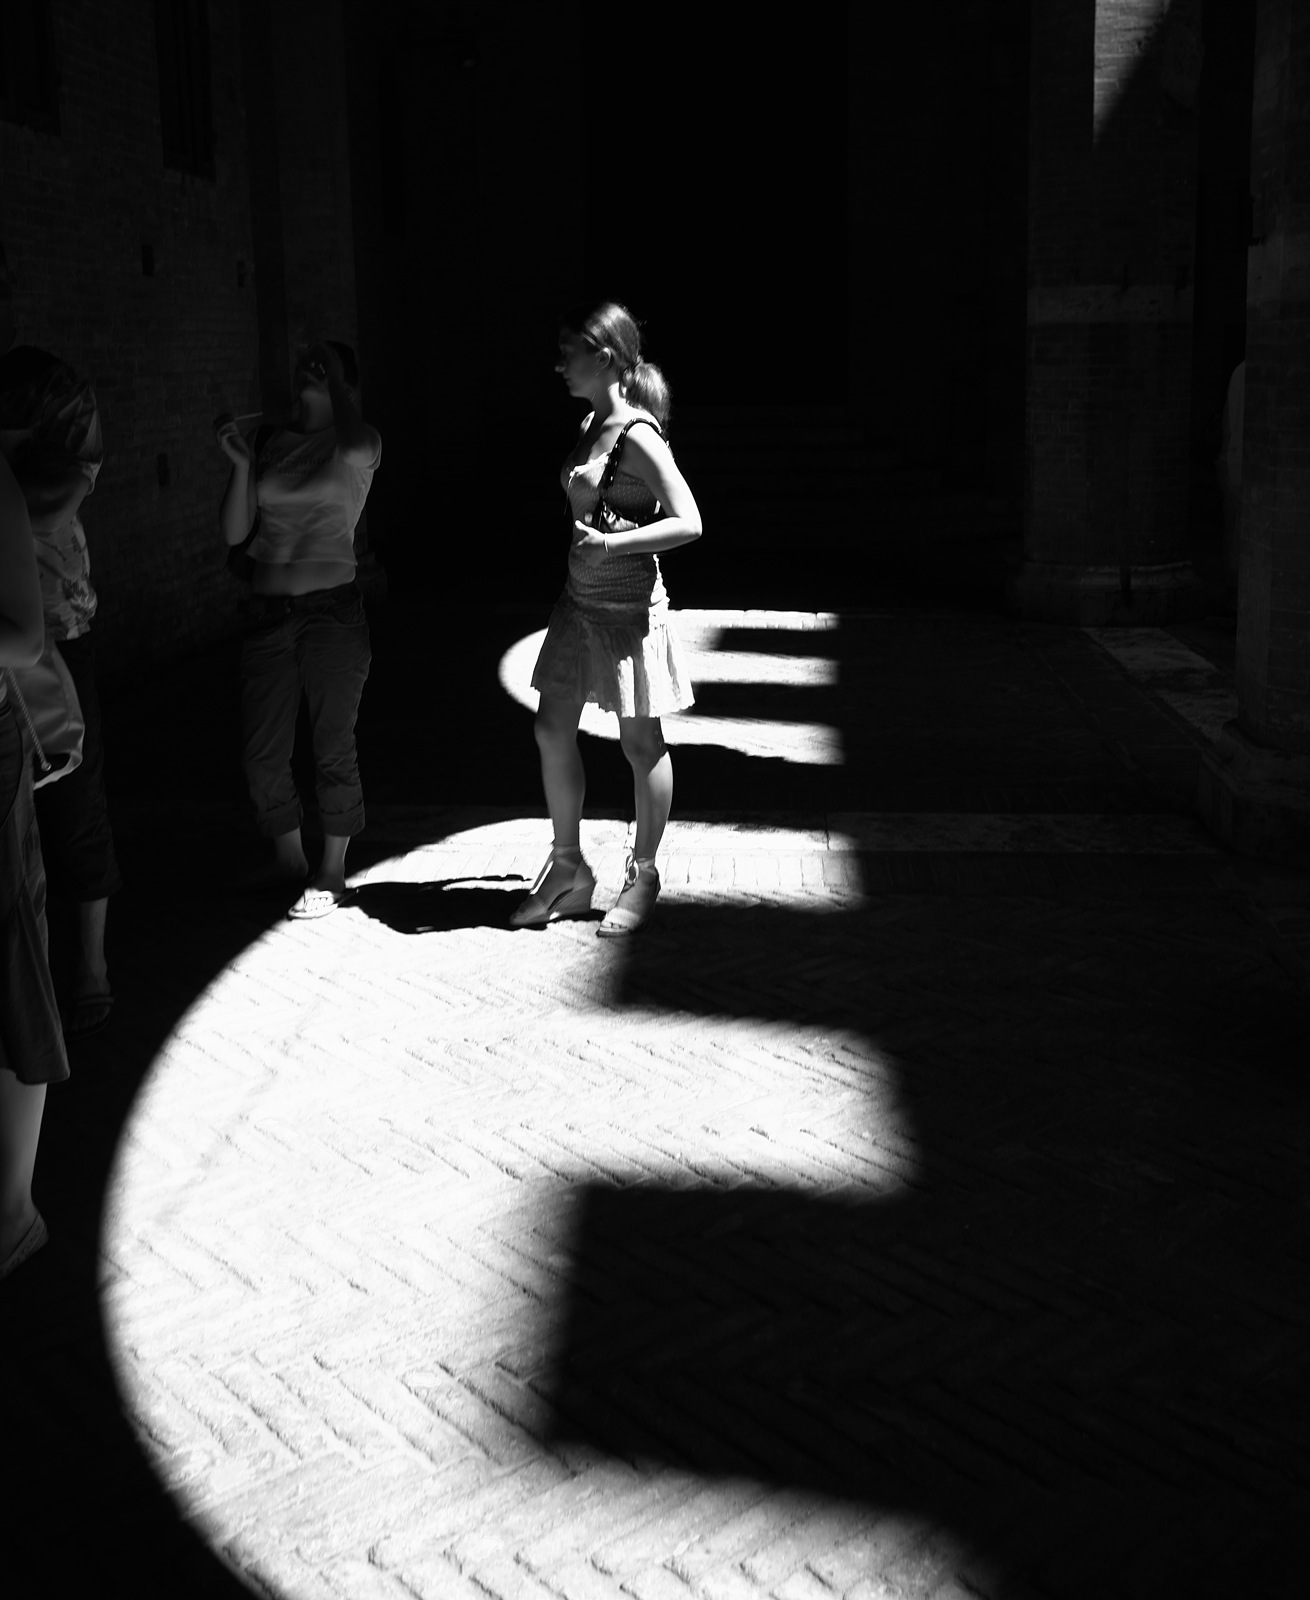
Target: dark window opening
{"x": 29, "y": 82}
{"x": 182, "y": 40}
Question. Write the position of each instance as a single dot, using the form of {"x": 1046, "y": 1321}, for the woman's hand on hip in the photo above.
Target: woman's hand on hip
{"x": 589, "y": 544}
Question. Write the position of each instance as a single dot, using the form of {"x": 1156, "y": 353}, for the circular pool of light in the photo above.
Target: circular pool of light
{"x": 337, "y": 1238}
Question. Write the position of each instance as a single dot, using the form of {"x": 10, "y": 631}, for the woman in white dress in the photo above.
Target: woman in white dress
{"x": 610, "y": 641}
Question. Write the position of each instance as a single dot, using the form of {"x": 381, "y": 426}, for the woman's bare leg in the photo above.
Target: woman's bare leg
{"x": 562, "y": 774}
{"x": 331, "y": 872}
{"x": 642, "y": 739}
{"x": 564, "y": 781}
{"x": 643, "y": 744}
{"x": 289, "y": 863}
{"x": 21, "y": 1109}
{"x": 92, "y": 974}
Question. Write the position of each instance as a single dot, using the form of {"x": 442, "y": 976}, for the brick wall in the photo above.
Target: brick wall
{"x": 242, "y": 268}
{"x": 313, "y": 150}
{"x": 166, "y": 351}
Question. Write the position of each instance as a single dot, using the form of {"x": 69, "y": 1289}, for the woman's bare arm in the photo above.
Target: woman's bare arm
{"x": 22, "y": 629}
{"x": 647, "y": 457}
{"x": 236, "y": 510}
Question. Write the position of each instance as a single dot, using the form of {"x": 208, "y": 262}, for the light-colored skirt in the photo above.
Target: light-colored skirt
{"x": 31, "y": 1038}
{"x": 623, "y": 660}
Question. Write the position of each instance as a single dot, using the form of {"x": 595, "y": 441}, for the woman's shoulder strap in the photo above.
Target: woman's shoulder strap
{"x": 612, "y": 464}
{"x": 650, "y": 423}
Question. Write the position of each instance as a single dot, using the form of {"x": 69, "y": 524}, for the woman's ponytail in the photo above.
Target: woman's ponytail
{"x": 645, "y": 387}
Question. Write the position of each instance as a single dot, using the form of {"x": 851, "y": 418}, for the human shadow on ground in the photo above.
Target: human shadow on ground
{"x": 1073, "y": 1336}
{"x": 443, "y": 905}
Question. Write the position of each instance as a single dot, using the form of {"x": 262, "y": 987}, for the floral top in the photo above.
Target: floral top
{"x": 49, "y": 424}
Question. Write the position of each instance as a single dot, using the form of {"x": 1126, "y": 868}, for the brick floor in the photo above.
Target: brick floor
{"x": 918, "y": 1208}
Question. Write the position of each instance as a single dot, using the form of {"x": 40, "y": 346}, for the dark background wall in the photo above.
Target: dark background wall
{"x": 140, "y": 275}
{"x": 938, "y": 109}
{"x": 821, "y": 213}
{"x": 1223, "y": 233}
{"x": 817, "y": 211}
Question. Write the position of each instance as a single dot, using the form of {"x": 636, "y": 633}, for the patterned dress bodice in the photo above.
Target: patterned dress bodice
{"x": 627, "y": 581}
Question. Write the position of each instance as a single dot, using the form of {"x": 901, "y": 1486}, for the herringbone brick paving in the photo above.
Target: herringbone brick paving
{"x": 915, "y": 1210}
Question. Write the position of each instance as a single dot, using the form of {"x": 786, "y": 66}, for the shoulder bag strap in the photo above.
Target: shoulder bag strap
{"x": 612, "y": 465}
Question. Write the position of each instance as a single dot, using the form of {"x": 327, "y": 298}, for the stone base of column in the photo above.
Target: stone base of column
{"x": 1255, "y": 799}
{"x": 1099, "y": 597}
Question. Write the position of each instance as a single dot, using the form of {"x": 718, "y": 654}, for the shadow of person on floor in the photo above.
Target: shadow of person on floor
{"x": 443, "y": 904}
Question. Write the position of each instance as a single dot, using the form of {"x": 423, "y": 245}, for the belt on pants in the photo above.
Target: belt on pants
{"x": 268, "y": 606}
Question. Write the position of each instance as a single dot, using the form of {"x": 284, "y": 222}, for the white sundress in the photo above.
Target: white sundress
{"x": 611, "y": 641}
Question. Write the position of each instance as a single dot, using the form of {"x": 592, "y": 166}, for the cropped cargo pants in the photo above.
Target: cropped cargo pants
{"x": 316, "y": 647}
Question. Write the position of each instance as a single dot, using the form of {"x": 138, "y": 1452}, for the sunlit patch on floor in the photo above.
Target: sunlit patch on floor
{"x": 337, "y": 1236}
{"x": 708, "y": 635}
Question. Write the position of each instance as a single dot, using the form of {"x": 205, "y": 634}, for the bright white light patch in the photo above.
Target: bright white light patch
{"x": 807, "y": 743}
{"x": 338, "y": 1221}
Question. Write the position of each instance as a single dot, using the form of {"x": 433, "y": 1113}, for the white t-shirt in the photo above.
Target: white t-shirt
{"x": 310, "y": 500}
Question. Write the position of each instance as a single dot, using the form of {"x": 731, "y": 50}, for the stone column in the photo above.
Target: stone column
{"x": 1113, "y": 142}
{"x": 1255, "y": 785}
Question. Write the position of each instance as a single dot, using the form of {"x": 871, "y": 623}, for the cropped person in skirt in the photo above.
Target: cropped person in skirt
{"x": 307, "y": 635}
{"x": 31, "y": 1039}
{"x": 610, "y": 641}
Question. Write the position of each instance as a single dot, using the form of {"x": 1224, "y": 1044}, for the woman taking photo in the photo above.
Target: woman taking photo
{"x": 307, "y": 633}
{"x": 610, "y": 641}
